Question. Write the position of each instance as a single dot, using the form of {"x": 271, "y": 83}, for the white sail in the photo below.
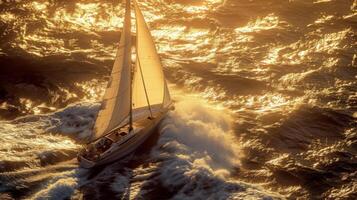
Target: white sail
{"x": 149, "y": 85}
{"x": 116, "y": 102}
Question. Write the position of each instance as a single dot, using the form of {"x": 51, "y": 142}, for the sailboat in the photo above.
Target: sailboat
{"x": 135, "y": 101}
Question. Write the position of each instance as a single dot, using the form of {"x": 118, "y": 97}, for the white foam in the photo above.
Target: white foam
{"x": 199, "y": 153}
{"x": 202, "y": 135}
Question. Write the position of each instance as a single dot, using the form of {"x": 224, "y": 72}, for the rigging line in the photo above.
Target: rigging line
{"x": 143, "y": 81}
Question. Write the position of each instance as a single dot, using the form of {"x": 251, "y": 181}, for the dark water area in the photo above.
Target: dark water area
{"x": 265, "y": 91}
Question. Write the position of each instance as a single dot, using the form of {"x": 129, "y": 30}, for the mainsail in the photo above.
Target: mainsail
{"x": 149, "y": 85}
{"x": 116, "y": 102}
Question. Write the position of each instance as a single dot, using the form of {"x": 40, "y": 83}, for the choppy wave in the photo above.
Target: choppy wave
{"x": 183, "y": 167}
{"x": 285, "y": 71}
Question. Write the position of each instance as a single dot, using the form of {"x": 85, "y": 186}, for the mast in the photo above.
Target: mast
{"x": 128, "y": 10}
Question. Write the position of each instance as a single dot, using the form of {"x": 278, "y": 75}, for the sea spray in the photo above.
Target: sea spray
{"x": 203, "y": 132}
{"x": 197, "y": 153}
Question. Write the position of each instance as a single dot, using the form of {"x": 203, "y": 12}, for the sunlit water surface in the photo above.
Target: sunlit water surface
{"x": 265, "y": 91}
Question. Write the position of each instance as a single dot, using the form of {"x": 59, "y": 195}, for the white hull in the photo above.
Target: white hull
{"x": 126, "y": 146}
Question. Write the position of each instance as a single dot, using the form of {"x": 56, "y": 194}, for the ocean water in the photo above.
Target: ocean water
{"x": 265, "y": 95}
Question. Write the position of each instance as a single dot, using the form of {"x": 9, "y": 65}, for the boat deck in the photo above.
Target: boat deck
{"x": 120, "y": 133}
{"x": 95, "y": 151}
